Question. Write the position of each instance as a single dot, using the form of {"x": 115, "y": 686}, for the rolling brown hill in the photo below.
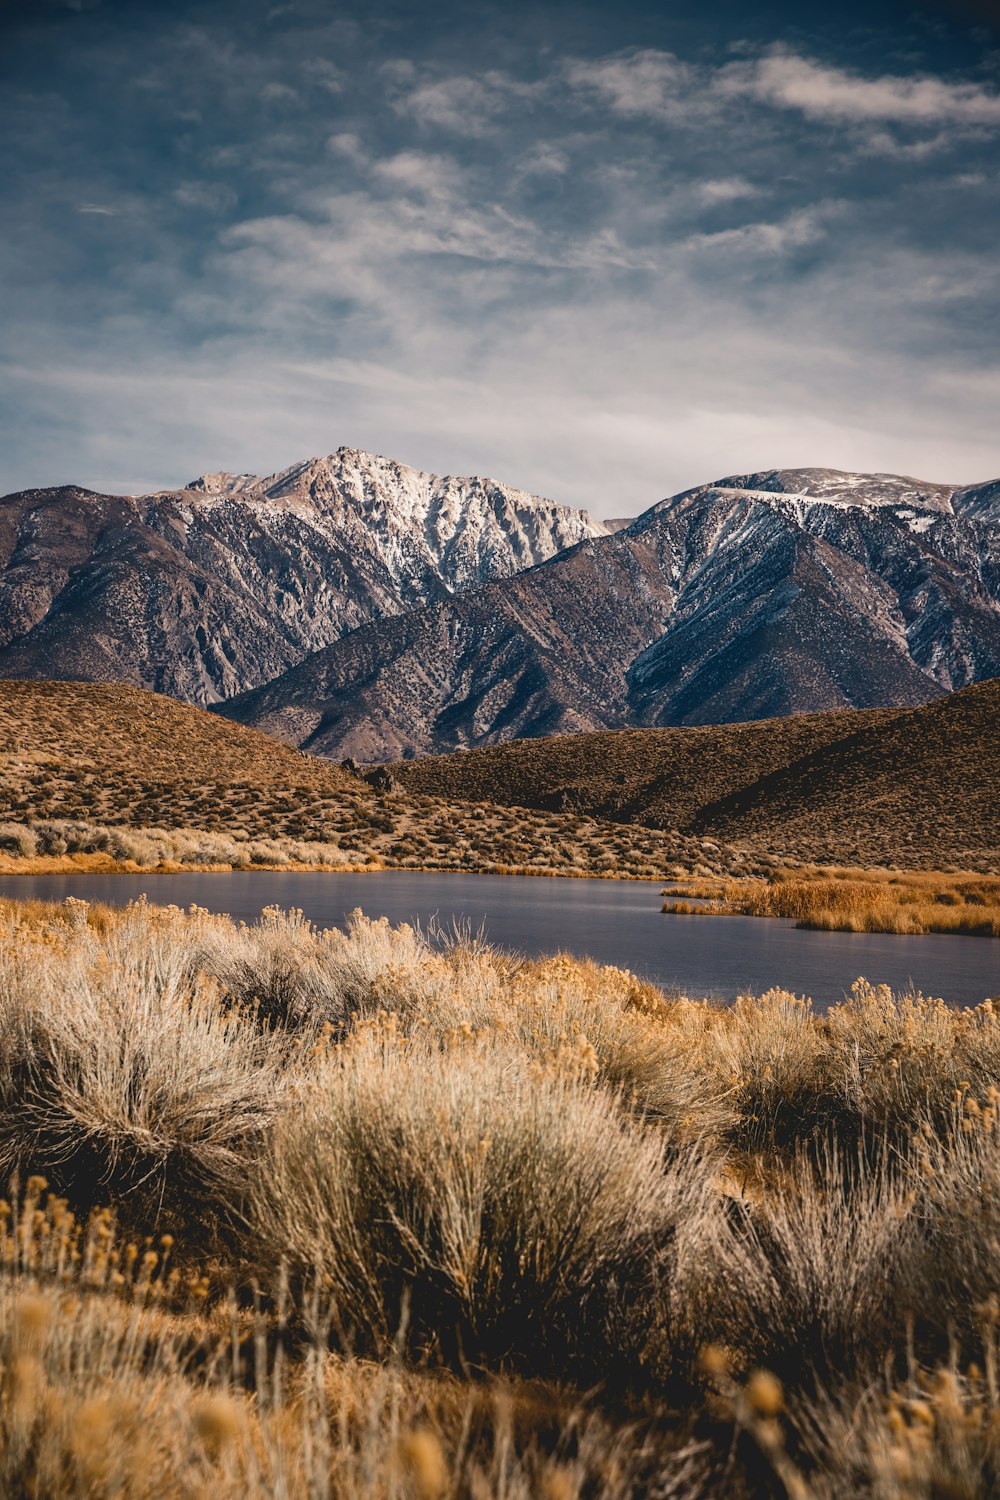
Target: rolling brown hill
{"x": 95, "y": 769}
{"x": 916, "y": 787}
{"x": 660, "y": 777}
{"x": 121, "y": 755}
{"x": 923, "y": 786}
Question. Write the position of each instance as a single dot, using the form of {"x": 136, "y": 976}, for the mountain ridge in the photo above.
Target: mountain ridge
{"x": 214, "y": 588}
{"x": 357, "y": 607}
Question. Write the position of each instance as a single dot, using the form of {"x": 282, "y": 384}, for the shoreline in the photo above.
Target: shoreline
{"x": 905, "y": 904}
{"x": 104, "y": 864}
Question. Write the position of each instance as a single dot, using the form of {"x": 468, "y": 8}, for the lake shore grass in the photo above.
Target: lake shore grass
{"x": 395, "y": 835}
{"x": 367, "y": 1214}
{"x": 844, "y": 900}
{"x": 103, "y": 864}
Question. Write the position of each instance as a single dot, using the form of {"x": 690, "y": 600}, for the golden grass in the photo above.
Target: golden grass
{"x": 406, "y": 1220}
{"x": 853, "y": 901}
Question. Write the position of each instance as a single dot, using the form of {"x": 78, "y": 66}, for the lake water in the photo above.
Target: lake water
{"x": 614, "y": 922}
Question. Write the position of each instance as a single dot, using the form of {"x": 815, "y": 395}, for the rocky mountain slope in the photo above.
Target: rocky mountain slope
{"x": 761, "y": 595}
{"x": 219, "y": 587}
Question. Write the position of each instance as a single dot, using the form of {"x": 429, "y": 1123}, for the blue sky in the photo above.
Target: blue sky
{"x": 599, "y": 251}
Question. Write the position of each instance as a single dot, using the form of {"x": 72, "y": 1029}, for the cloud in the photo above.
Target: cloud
{"x": 779, "y": 237}
{"x": 786, "y": 80}
{"x": 325, "y": 73}
{"x": 726, "y": 190}
{"x": 658, "y": 85}
{"x": 602, "y": 277}
{"x": 418, "y": 172}
{"x": 348, "y": 144}
{"x": 643, "y": 83}
{"x": 209, "y": 197}
{"x": 468, "y": 104}
{"x": 543, "y": 160}
{"x": 279, "y": 93}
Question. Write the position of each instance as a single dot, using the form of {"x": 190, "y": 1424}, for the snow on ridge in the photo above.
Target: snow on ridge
{"x": 871, "y": 500}
{"x": 378, "y": 486}
{"x": 801, "y": 497}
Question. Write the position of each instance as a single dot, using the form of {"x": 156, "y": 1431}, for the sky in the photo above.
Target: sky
{"x": 601, "y": 251}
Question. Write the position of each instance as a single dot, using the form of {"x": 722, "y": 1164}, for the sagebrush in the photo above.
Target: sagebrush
{"x": 375, "y": 1213}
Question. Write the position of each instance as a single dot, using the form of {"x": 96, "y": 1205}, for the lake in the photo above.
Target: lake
{"x": 614, "y": 922}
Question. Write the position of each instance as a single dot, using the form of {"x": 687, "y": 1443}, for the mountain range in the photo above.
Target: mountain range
{"x": 355, "y": 607}
{"x": 758, "y": 596}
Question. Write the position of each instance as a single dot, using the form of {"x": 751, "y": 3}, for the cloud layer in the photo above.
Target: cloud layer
{"x": 241, "y": 234}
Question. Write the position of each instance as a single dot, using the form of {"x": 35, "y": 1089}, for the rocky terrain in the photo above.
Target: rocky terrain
{"x": 762, "y": 595}
{"x": 207, "y": 591}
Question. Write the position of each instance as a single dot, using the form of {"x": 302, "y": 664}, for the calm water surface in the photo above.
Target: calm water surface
{"x": 615, "y": 922}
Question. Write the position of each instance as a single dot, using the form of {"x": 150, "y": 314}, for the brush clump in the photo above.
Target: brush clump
{"x": 388, "y": 1213}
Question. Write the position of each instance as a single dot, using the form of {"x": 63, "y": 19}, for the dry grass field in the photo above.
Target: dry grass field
{"x": 338, "y": 1215}
{"x": 851, "y": 900}
{"x": 915, "y": 788}
{"x": 96, "y": 776}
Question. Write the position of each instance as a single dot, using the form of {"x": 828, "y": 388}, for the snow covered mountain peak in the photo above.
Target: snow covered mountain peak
{"x": 223, "y": 484}
{"x": 216, "y": 587}
{"x": 802, "y": 488}
{"x": 374, "y": 482}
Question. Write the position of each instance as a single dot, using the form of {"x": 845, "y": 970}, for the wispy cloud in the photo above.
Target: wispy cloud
{"x": 467, "y": 103}
{"x": 659, "y": 85}
{"x": 727, "y": 190}
{"x": 647, "y": 83}
{"x": 789, "y": 81}
{"x": 776, "y": 237}
{"x": 207, "y": 197}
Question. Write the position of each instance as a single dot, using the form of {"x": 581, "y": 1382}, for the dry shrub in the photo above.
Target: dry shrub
{"x": 956, "y": 1183}
{"x": 121, "y": 1077}
{"x": 559, "y": 1009}
{"x": 17, "y": 839}
{"x": 766, "y": 1050}
{"x": 866, "y": 1071}
{"x": 634, "y": 1041}
{"x": 497, "y": 1165}
{"x": 933, "y": 1437}
{"x": 897, "y": 1057}
{"x": 301, "y": 976}
{"x": 114, "y": 1388}
{"x": 502, "y": 1213}
{"x": 152, "y": 847}
{"x": 820, "y": 1276}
